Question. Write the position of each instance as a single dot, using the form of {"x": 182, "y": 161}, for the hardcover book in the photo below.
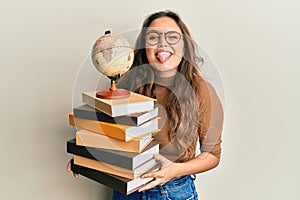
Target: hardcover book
{"x": 123, "y": 185}
{"x": 127, "y": 160}
{"x": 117, "y": 107}
{"x": 91, "y": 139}
{"x": 135, "y": 119}
{"x": 118, "y": 131}
{"x": 112, "y": 169}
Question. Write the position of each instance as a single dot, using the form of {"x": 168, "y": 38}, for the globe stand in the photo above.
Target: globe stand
{"x": 113, "y": 92}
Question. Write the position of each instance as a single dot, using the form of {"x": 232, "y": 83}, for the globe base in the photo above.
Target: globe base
{"x": 113, "y": 94}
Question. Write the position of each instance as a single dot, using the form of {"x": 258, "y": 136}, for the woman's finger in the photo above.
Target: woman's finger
{"x": 75, "y": 175}
{"x": 150, "y": 185}
{"x": 69, "y": 166}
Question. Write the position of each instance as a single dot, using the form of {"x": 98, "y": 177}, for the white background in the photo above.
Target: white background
{"x": 255, "y": 45}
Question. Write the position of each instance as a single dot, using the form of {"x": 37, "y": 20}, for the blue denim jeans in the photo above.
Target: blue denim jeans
{"x": 182, "y": 188}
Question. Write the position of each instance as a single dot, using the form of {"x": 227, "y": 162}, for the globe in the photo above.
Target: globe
{"x": 112, "y": 55}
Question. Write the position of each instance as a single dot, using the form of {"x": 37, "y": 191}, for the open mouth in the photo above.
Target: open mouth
{"x": 163, "y": 56}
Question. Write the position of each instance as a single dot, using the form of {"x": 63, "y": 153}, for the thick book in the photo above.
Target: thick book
{"x": 91, "y": 139}
{"x": 127, "y": 160}
{"x": 135, "y": 119}
{"x": 113, "y": 169}
{"x": 118, "y": 131}
{"x": 123, "y": 185}
{"x": 117, "y": 107}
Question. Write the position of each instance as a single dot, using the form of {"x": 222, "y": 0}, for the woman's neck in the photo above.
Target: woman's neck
{"x": 164, "y": 81}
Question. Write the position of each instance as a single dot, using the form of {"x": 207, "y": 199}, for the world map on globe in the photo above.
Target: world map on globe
{"x": 112, "y": 54}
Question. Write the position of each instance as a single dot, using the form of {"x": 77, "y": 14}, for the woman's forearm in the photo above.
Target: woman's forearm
{"x": 203, "y": 162}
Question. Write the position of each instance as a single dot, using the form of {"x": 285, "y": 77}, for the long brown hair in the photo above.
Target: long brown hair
{"x": 182, "y": 107}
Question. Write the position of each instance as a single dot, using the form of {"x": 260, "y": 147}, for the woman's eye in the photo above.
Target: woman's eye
{"x": 173, "y": 37}
{"x": 153, "y": 37}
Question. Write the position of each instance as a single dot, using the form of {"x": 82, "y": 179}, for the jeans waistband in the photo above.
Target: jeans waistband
{"x": 178, "y": 181}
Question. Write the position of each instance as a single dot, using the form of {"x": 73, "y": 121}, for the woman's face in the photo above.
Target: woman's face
{"x": 166, "y": 55}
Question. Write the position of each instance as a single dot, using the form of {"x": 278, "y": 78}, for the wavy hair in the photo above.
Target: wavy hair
{"x": 182, "y": 108}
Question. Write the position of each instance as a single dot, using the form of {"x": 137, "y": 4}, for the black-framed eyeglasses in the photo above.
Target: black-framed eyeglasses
{"x": 153, "y": 37}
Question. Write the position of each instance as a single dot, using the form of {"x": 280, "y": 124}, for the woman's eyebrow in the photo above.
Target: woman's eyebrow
{"x": 152, "y": 31}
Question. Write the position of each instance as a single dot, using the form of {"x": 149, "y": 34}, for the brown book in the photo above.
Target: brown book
{"x": 112, "y": 169}
{"x": 118, "y": 131}
{"x": 117, "y": 107}
{"x": 91, "y": 139}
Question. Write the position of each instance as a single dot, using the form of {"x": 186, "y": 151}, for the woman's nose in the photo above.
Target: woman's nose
{"x": 162, "y": 41}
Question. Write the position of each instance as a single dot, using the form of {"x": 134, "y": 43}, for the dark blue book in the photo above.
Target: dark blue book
{"x": 127, "y": 160}
{"x": 87, "y": 112}
{"x": 123, "y": 185}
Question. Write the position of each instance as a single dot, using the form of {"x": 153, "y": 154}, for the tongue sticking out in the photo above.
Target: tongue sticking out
{"x": 163, "y": 56}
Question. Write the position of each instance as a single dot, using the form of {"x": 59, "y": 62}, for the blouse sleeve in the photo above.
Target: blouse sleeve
{"x": 211, "y": 120}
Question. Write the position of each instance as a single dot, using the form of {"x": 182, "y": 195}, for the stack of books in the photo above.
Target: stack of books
{"x": 114, "y": 145}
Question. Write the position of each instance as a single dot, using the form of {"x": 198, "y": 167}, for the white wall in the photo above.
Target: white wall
{"x": 255, "y": 45}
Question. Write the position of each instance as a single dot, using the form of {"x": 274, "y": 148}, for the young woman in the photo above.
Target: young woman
{"x": 166, "y": 67}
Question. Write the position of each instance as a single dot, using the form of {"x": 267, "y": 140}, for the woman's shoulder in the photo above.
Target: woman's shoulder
{"x": 203, "y": 83}
{"x": 203, "y": 86}
{"x": 206, "y": 89}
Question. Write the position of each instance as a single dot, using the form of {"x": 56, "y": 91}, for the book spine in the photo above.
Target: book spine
{"x": 94, "y": 126}
{"x": 102, "y": 141}
{"x": 93, "y": 114}
{"x": 101, "y": 177}
{"x": 99, "y": 105}
{"x": 112, "y": 169}
{"x": 115, "y": 130}
{"x": 100, "y": 155}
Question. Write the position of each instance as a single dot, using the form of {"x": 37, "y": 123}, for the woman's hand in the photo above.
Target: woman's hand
{"x": 167, "y": 172}
{"x": 69, "y": 169}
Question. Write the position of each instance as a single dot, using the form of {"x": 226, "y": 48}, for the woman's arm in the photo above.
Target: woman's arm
{"x": 169, "y": 170}
{"x": 211, "y": 125}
